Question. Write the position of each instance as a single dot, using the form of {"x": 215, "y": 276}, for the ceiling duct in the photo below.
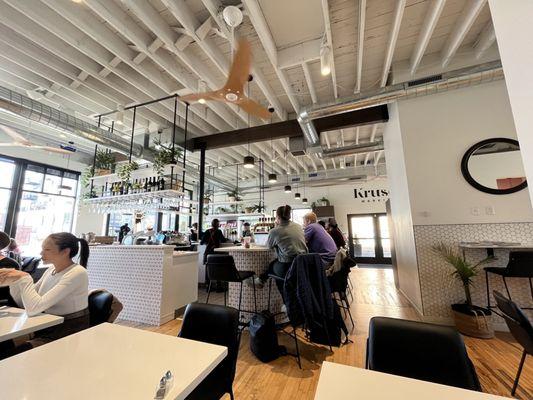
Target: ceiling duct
{"x": 297, "y": 145}
{"x": 36, "y": 111}
{"x": 460, "y": 78}
{"x": 351, "y": 150}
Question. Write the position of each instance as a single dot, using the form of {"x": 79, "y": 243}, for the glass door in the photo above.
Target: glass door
{"x": 369, "y": 239}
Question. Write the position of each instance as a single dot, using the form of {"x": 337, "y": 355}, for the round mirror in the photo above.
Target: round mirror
{"x": 494, "y": 166}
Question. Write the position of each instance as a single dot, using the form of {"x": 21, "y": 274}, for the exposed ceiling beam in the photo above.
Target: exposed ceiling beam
{"x": 360, "y": 45}
{"x": 373, "y": 134}
{"x": 430, "y": 22}
{"x": 461, "y": 28}
{"x": 297, "y": 54}
{"x": 393, "y": 37}
{"x": 329, "y": 40}
{"x": 309, "y": 82}
{"x": 214, "y": 6}
{"x": 485, "y": 40}
{"x": 377, "y": 157}
{"x": 257, "y": 18}
{"x": 348, "y": 119}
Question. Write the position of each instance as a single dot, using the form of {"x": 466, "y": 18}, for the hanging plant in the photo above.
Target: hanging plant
{"x": 323, "y": 201}
{"x": 86, "y": 177}
{"x": 104, "y": 162}
{"x": 125, "y": 170}
{"x": 234, "y": 195}
{"x": 163, "y": 156}
{"x": 258, "y": 208}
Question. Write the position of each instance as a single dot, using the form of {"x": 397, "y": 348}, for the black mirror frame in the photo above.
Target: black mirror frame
{"x": 477, "y": 185}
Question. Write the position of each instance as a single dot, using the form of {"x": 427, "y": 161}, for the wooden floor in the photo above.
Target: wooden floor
{"x": 496, "y": 360}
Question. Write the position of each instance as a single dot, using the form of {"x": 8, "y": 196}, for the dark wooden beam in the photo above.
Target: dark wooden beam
{"x": 349, "y": 119}
{"x": 289, "y": 128}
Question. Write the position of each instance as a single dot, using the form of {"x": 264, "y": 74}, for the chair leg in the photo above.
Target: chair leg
{"x": 297, "y": 348}
{"x": 531, "y": 288}
{"x": 255, "y": 296}
{"x": 515, "y": 385}
{"x": 208, "y": 292}
{"x": 488, "y": 289}
{"x": 225, "y": 298}
{"x": 507, "y": 288}
{"x": 344, "y": 297}
{"x": 240, "y": 301}
{"x": 269, "y": 291}
{"x": 327, "y": 332}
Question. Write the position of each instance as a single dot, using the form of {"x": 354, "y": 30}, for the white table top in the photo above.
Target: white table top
{"x": 14, "y": 322}
{"x": 489, "y": 245}
{"x": 244, "y": 249}
{"x": 339, "y": 381}
{"x": 108, "y": 362}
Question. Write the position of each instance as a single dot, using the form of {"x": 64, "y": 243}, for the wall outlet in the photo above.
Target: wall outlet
{"x": 489, "y": 210}
{"x": 475, "y": 211}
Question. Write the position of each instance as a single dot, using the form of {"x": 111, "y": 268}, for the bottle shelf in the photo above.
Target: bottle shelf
{"x": 141, "y": 173}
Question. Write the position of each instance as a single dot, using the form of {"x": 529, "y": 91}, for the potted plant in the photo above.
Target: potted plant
{"x": 207, "y": 198}
{"x": 234, "y": 195}
{"x": 104, "y": 163}
{"x": 125, "y": 170}
{"x": 249, "y": 209}
{"x": 469, "y": 319}
{"x": 323, "y": 201}
{"x": 163, "y": 155}
{"x": 258, "y": 208}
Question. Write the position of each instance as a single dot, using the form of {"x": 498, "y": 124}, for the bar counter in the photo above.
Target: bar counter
{"x": 150, "y": 281}
{"x": 256, "y": 258}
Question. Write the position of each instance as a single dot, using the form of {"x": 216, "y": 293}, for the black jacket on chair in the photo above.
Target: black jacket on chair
{"x": 418, "y": 350}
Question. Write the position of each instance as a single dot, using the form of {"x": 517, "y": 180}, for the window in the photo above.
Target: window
{"x": 298, "y": 215}
{"x": 6, "y": 185}
{"x": 116, "y": 220}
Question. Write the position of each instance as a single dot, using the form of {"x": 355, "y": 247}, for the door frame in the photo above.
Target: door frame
{"x": 379, "y": 258}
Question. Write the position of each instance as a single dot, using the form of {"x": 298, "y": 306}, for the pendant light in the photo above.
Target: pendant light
{"x": 64, "y": 186}
{"x": 119, "y": 116}
{"x": 304, "y": 200}
{"x": 288, "y": 188}
{"x": 325, "y": 58}
{"x": 297, "y": 195}
{"x": 272, "y": 177}
{"x": 249, "y": 160}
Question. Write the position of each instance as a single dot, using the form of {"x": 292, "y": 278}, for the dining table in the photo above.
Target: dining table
{"x": 109, "y": 361}
{"x": 338, "y": 381}
{"x": 15, "y": 322}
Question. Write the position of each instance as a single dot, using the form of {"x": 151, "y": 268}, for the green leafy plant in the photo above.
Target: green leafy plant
{"x": 104, "y": 160}
{"x": 258, "y": 208}
{"x": 235, "y": 193}
{"x": 125, "y": 170}
{"x": 164, "y": 156}
{"x": 324, "y": 201}
{"x": 86, "y": 176}
{"x": 464, "y": 270}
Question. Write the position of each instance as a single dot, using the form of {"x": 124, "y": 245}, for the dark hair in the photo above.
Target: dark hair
{"x": 246, "y": 224}
{"x": 332, "y": 222}
{"x": 284, "y": 212}
{"x": 4, "y": 240}
{"x": 65, "y": 240}
{"x": 215, "y": 223}
{"x": 321, "y": 222}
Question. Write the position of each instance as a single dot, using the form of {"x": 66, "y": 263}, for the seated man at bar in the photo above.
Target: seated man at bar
{"x": 318, "y": 239}
{"x": 288, "y": 240}
{"x": 62, "y": 290}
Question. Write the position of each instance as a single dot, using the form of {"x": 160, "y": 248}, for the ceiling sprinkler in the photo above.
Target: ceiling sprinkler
{"x": 233, "y": 16}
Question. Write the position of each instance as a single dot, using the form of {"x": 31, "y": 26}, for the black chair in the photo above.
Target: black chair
{"x": 221, "y": 267}
{"x": 520, "y": 265}
{"x": 100, "y": 307}
{"x": 338, "y": 283}
{"x": 418, "y": 350}
{"x": 218, "y": 325}
{"x": 520, "y": 328}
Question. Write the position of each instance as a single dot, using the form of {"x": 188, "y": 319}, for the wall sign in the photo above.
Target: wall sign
{"x": 371, "y": 195}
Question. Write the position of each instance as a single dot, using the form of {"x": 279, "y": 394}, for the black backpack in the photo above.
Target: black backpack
{"x": 263, "y": 337}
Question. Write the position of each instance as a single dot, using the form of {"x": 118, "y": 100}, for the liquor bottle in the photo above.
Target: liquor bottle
{"x": 154, "y": 184}
{"x": 162, "y": 184}
{"x": 145, "y": 186}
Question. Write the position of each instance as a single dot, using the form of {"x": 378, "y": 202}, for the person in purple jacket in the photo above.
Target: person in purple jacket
{"x": 318, "y": 239}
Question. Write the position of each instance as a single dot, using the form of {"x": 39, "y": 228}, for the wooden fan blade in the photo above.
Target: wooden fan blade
{"x": 197, "y": 96}
{"x": 14, "y": 135}
{"x": 51, "y": 149}
{"x": 251, "y": 107}
{"x": 240, "y": 68}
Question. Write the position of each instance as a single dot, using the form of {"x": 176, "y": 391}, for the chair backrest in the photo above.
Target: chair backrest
{"x": 419, "y": 350}
{"x": 29, "y": 264}
{"x": 516, "y": 320}
{"x": 520, "y": 263}
{"x": 100, "y": 307}
{"x": 210, "y": 323}
{"x": 221, "y": 267}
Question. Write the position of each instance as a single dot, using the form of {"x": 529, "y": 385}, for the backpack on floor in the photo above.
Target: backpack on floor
{"x": 264, "y": 338}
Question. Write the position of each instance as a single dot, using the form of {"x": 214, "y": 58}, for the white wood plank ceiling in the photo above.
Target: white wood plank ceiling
{"x": 92, "y": 55}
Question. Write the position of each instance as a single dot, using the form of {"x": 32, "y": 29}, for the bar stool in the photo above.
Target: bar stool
{"x": 221, "y": 267}
{"x": 520, "y": 265}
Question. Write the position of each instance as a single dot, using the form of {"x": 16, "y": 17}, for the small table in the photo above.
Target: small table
{"x": 108, "y": 362}
{"x": 490, "y": 247}
{"x": 14, "y": 322}
{"x": 339, "y": 381}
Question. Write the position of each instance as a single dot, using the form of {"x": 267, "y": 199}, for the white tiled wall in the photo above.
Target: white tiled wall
{"x": 439, "y": 289}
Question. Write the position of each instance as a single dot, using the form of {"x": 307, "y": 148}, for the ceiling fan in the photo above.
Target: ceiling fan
{"x": 20, "y": 141}
{"x": 233, "y": 90}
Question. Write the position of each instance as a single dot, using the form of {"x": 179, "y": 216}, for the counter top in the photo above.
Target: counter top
{"x": 243, "y": 249}
{"x": 495, "y": 245}
{"x": 184, "y": 253}
{"x": 137, "y": 246}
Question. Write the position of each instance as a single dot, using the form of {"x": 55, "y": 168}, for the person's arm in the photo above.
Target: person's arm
{"x": 220, "y": 236}
{"x": 35, "y": 304}
{"x": 308, "y": 233}
{"x": 204, "y": 237}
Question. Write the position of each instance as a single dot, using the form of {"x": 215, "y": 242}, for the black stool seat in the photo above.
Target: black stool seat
{"x": 510, "y": 273}
{"x": 245, "y": 275}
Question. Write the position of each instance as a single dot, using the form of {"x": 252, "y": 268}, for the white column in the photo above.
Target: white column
{"x": 514, "y": 34}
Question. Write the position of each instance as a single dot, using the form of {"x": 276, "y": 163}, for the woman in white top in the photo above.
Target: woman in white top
{"x": 62, "y": 290}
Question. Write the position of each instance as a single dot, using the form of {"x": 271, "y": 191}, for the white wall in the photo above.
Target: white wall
{"x": 402, "y": 221}
{"x": 341, "y": 197}
{"x": 436, "y": 131}
{"x": 514, "y": 34}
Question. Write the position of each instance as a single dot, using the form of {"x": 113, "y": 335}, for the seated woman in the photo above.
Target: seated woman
{"x": 287, "y": 238}
{"x": 6, "y": 262}
{"x": 318, "y": 240}
{"x": 62, "y": 290}
{"x": 335, "y": 232}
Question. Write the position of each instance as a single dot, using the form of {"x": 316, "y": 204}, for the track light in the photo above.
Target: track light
{"x": 297, "y": 196}
{"x": 272, "y": 178}
{"x": 288, "y": 189}
{"x": 325, "y": 60}
{"x": 249, "y": 162}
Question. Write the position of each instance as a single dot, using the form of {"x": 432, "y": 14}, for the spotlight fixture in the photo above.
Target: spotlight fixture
{"x": 297, "y": 196}
{"x": 249, "y": 162}
{"x": 288, "y": 189}
{"x": 304, "y": 200}
{"x": 272, "y": 178}
{"x": 325, "y": 60}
